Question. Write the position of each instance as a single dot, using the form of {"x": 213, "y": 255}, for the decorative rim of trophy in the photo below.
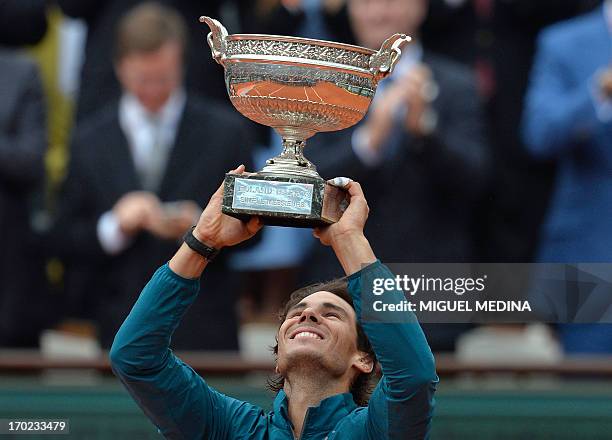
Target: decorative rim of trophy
{"x": 299, "y": 87}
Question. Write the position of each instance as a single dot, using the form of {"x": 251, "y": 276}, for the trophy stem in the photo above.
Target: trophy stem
{"x": 291, "y": 161}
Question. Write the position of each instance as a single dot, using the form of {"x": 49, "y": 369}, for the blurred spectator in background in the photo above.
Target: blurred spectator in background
{"x": 420, "y": 153}
{"x": 496, "y": 38}
{"x": 568, "y": 117}
{"x": 22, "y": 147}
{"x": 59, "y": 56}
{"x": 98, "y": 82}
{"x": 140, "y": 170}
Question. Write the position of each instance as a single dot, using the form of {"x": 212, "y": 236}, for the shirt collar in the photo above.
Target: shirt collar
{"x": 133, "y": 113}
{"x": 607, "y": 7}
{"x": 321, "y": 418}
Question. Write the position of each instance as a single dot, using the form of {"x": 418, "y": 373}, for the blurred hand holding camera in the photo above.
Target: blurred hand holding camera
{"x": 174, "y": 219}
{"x": 140, "y": 210}
{"x": 136, "y": 210}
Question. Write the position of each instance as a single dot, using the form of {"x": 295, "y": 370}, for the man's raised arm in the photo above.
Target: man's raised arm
{"x": 401, "y": 407}
{"x": 170, "y": 393}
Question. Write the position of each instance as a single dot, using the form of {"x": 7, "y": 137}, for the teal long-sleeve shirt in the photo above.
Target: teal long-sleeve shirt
{"x": 183, "y": 406}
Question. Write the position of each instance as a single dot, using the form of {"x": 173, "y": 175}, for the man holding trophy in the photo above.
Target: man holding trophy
{"x": 324, "y": 348}
{"x": 329, "y": 342}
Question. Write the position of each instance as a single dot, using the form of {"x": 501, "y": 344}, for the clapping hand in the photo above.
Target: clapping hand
{"x": 605, "y": 82}
{"x": 413, "y": 92}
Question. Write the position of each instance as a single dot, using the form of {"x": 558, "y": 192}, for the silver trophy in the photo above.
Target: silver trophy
{"x": 299, "y": 87}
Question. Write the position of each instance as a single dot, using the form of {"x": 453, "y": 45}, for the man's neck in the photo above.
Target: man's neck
{"x": 304, "y": 391}
{"x": 170, "y": 112}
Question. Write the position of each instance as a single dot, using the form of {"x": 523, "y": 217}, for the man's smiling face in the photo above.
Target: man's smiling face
{"x": 320, "y": 331}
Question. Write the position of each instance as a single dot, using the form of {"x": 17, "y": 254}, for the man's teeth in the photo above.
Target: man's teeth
{"x": 307, "y": 335}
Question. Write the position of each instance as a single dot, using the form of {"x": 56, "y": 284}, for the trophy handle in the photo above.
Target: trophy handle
{"x": 383, "y": 62}
{"x": 217, "y": 38}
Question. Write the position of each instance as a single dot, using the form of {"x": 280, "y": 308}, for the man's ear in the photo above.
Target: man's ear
{"x": 364, "y": 362}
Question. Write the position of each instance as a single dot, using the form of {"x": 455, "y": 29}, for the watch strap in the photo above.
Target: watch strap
{"x": 210, "y": 253}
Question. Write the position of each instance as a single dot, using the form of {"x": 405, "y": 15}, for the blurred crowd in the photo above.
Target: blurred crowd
{"x": 490, "y": 142}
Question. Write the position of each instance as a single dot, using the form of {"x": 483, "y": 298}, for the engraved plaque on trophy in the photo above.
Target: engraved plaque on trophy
{"x": 299, "y": 87}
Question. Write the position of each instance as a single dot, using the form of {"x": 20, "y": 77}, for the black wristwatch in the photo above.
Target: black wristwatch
{"x": 196, "y": 245}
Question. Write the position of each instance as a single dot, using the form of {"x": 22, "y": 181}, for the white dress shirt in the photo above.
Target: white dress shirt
{"x": 143, "y": 131}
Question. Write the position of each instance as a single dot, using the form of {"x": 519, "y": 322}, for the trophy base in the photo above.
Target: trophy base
{"x": 282, "y": 200}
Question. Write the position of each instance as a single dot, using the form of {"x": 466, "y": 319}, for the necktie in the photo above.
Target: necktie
{"x": 153, "y": 171}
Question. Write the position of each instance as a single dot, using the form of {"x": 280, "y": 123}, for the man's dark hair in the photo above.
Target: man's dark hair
{"x": 147, "y": 27}
{"x": 364, "y": 383}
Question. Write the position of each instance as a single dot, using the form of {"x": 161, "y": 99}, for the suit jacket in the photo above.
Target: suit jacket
{"x": 560, "y": 121}
{"x": 22, "y": 147}
{"x": 209, "y": 142}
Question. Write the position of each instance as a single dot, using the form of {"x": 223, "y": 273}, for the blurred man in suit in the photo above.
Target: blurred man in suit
{"x": 99, "y": 85}
{"x": 496, "y": 39}
{"x": 140, "y": 171}
{"x": 22, "y": 148}
{"x": 568, "y": 116}
{"x": 420, "y": 151}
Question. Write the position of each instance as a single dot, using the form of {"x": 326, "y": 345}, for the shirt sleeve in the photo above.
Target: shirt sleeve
{"x": 401, "y": 406}
{"x": 111, "y": 238}
{"x": 360, "y": 144}
{"x": 174, "y": 397}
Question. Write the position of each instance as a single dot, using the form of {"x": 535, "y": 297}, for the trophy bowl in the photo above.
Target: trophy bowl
{"x": 299, "y": 87}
